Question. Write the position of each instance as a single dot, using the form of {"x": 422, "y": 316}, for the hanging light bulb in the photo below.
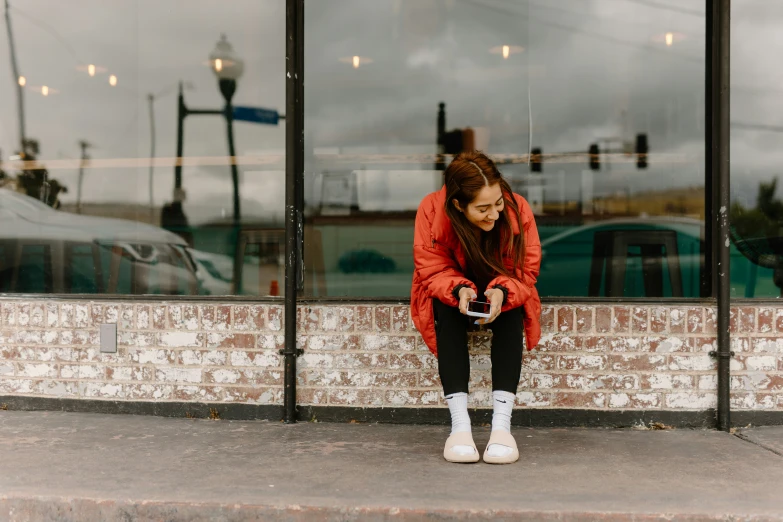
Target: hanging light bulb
{"x": 218, "y": 64}
{"x": 356, "y": 61}
{"x": 91, "y": 70}
{"x": 669, "y": 39}
{"x": 22, "y": 81}
{"x": 506, "y": 50}
{"x": 113, "y": 80}
{"x": 45, "y": 90}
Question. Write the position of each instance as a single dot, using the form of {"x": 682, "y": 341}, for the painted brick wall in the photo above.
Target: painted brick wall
{"x": 596, "y": 357}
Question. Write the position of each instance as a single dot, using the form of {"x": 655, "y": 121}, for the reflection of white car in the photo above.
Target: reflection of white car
{"x": 45, "y": 250}
{"x": 567, "y": 256}
{"x": 215, "y": 272}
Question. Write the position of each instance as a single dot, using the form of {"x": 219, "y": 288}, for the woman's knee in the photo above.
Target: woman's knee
{"x": 510, "y": 318}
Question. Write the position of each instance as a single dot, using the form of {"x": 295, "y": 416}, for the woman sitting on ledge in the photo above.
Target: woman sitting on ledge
{"x": 476, "y": 237}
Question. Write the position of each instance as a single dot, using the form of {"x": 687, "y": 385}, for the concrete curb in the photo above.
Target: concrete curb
{"x": 45, "y": 509}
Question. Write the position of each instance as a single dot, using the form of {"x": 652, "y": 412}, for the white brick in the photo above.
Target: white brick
{"x": 180, "y": 339}
{"x": 261, "y": 359}
{"x": 192, "y": 375}
{"x": 157, "y": 357}
{"x": 226, "y": 376}
{"x": 693, "y": 363}
{"x": 101, "y": 390}
{"x": 37, "y": 370}
{"x": 761, "y": 363}
{"x": 691, "y": 401}
{"x": 92, "y": 372}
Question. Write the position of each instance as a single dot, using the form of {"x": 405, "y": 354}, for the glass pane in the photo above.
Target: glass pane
{"x": 89, "y": 170}
{"x": 756, "y": 215}
{"x": 554, "y": 80}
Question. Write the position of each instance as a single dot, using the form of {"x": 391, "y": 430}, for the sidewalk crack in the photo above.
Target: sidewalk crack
{"x": 742, "y": 436}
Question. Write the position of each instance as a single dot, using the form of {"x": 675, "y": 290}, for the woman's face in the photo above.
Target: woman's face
{"x": 486, "y": 208}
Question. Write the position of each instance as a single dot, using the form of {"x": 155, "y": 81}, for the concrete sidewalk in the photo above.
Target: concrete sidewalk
{"x": 67, "y": 466}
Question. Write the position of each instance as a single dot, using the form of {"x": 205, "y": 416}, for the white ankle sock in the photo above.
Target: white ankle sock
{"x": 460, "y": 420}
{"x": 502, "y": 404}
{"x": 458, "y": 406}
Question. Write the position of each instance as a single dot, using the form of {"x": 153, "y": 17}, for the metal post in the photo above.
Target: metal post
{"x": 83, "y": 144}
{"x": 19, "y": 87}
{"x": 440, "y": 161}
{"x": 151, "y": 101}
{"x": 718, "y": 33}
{"x": 294, "y": 172}
{"x": 228, "y": 88}
{"x": 182, "y": 111}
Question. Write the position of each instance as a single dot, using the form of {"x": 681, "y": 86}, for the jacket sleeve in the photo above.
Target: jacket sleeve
{"x": 435, "y": 267}
{"x": 520, "y": 289}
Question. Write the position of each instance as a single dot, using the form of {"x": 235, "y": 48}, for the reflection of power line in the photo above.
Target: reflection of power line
{"x": 757, "y": 126}
{"x": 600, "y": 36}
{"x": 52, "y": 32}
{"x": 586, "y": 14}
{"x": 667, "y": 7}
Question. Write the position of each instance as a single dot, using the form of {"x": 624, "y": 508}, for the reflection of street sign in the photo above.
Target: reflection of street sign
{"x": 256, "y": 115}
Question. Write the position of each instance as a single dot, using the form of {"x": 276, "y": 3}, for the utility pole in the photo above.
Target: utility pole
{"x": 85, "y": 158}
{"x": 18, "y": 80}
{"x": 151, "y": 101}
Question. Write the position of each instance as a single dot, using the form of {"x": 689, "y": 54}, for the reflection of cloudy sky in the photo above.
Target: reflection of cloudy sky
{"x": 592, "y": 69}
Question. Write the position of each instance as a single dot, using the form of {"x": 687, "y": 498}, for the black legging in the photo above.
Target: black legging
{"x": 451, "y": 330}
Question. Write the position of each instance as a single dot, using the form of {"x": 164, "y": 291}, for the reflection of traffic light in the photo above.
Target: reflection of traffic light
{"x": 452, "y": 142}
{"x": 642, "y": 148}
{"x": 459, "y": 140}
{"x": 595, "y": 157}
{"x": 536, "y": 160}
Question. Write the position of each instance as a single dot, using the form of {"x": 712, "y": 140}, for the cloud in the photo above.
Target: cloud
{"x": 591, "y": 69}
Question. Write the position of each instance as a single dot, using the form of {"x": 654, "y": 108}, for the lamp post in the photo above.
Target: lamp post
{"x": 228, "y": 68}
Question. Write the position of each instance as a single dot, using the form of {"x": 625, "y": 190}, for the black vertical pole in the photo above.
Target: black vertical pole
{"x": 181, "y": 113}
{"x": 708, "y": 282}
{"x": 17, "y": 80}
{"x": 440, "y": 163}
{"x": 294, "y": 163}
{"x": 719, "y": 25}
{"x": 228, "y": 88}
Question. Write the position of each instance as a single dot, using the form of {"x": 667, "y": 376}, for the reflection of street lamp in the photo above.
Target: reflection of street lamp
{"x": 228, "y": 67}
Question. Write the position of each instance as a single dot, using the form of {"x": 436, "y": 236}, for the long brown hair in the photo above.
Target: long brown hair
{"x": 464, "y": 178}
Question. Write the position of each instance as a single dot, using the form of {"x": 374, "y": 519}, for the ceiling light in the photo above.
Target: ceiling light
{"x": 356, "y": 61}
{"x": 669, "y": 38}
{"x": 22, "y": 81}
{"x": 113, "y": 80}
{"x": 506, "y": 50}
{"x": 91, "y": 69}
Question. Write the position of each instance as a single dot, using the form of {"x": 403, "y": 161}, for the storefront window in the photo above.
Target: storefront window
{"x": 756, "y": 215}
{"x": 560, "y": 79}
{"x": 91, "y": 200}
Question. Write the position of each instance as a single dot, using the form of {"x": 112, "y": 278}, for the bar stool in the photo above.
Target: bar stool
{"x": 610, "y": 250}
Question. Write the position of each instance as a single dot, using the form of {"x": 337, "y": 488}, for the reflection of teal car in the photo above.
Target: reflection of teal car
{"x": 567, "y": 257}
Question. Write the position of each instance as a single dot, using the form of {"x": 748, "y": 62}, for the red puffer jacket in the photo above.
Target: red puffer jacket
{"x": 440, "y": 266}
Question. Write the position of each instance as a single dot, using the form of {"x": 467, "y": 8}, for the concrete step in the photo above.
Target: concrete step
{"x": 66, "y": 466}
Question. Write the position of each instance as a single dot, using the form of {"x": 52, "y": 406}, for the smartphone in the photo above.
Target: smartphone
{"x": 479, "y": 309}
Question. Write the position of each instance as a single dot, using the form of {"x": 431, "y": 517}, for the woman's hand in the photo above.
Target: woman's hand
{"x": 495, "y": 297}
{"x": 466, "y": 295}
